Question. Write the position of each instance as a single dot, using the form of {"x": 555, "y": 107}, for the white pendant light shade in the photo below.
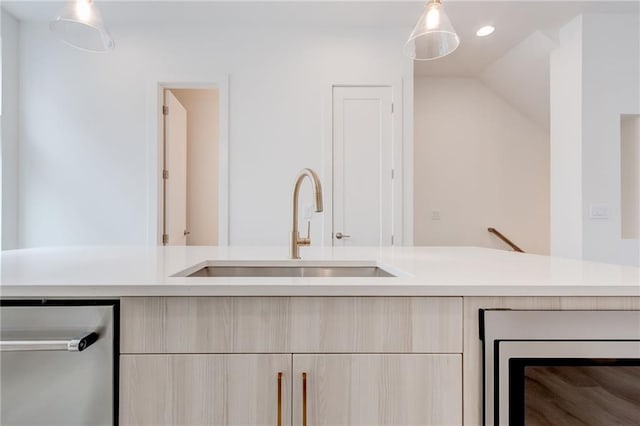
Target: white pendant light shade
{"x": 80, "y": 25}
{"x": 433, "y": 36}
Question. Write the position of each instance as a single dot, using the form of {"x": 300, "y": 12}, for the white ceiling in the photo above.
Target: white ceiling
{"x": 514, "y": 20}
{"x": 516, "y": 52}
{"x": 522, "y": 77}
{"x": 238, "y": 12}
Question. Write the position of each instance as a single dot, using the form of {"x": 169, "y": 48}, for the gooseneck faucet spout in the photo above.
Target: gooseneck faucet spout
{"x": 296, "y": 241}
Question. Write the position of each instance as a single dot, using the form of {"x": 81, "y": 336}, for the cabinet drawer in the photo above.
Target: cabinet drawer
{"x": 376, "y": 324}
{"x": 291, "y": 324}
{"x": 205, "y": 325}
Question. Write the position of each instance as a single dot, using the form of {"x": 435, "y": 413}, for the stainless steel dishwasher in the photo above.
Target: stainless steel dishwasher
{"x": 58, "y": 362}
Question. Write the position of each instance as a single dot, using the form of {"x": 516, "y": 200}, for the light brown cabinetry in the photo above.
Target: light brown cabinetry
{"x": 204, "y": 389}
{"x": 378, "y": 389}
{"x": 205, "y": 325}
{"x": 215, "y": 360}
{"x": 376, "y": 324}
{"x": 291, "y": 324}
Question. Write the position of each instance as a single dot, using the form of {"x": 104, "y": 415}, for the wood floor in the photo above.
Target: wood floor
{"x": 582, "y": 395}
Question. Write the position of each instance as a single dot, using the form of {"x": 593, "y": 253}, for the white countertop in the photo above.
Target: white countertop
{"x": 112, "y": 272}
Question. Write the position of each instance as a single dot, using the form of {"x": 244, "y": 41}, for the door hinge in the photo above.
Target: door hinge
{"x": 392, "y": 240}
{"x": 393, "y": 174}
{"x": 165, "y": 239}
{"x": 392, "y": 108}
{"x": 165, "y": 110}
{"x": 165, "y": 174}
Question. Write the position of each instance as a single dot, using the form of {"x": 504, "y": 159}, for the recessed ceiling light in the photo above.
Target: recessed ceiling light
{"x": 485, "y": 31}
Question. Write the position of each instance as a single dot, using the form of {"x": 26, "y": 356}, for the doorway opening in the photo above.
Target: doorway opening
{"x": 191, "y": 169}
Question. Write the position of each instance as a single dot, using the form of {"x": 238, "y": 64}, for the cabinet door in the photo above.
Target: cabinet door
{"x": 377, "y": 389}
{"x": 205, "y": 390}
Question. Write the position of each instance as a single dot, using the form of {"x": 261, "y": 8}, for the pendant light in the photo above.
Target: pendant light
{"x": 80, "y": 25}
{"x": 433, "y": 36}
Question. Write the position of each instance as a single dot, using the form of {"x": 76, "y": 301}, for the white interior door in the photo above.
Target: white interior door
{"x": 175, "y": 207}
{"x": 362, "y": 166}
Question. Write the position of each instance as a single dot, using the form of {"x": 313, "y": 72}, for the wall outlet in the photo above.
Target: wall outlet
{"x": 435, "y": 214}
{"x": 599, "y": 211}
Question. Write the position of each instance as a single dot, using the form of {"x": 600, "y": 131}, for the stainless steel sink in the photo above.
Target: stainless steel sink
{"x": 290, "y": 271}
{"x": 285, "y": 269}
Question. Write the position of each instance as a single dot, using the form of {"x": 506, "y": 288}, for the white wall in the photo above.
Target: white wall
{"x": 566, "y": 142}
{"x": 84, "y": 159}
{"x": 611, "y": 74}
{"x": 630, "y": 176}
{"x": 202, "y": 164}
{"x": 600, "y": 75}
{"x": 480, "y": 163}
{"x": 9, "y": 133}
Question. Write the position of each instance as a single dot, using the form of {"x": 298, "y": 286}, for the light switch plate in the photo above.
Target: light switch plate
{"x": 599, "y": 211}
{"x": 435, "y": 214}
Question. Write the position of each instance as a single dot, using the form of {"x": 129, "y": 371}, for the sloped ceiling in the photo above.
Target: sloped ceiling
{"x": 521, "y": 77}
{"x": 514, "y": 61}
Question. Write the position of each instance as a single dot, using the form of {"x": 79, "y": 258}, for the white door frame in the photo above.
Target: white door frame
{"x": 397, "y": 161}
{"x": 155, "y": 150}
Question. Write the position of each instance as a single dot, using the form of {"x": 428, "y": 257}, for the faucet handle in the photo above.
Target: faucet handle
{"x": 308, "y": 230}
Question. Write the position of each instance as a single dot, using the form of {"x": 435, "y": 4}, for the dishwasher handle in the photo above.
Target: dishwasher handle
{"x": 77, "y": 344}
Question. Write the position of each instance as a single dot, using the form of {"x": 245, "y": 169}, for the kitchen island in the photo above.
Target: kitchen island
{"x": 422, "y": 271}
{"x": 340, "y": 350}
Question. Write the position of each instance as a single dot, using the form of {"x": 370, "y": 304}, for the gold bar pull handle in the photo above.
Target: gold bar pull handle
{"x": 279, "y": 398}
{"x": 304, "y": 399}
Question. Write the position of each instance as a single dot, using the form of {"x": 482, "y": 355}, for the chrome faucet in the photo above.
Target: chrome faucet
{"x": 296, "y": 241}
